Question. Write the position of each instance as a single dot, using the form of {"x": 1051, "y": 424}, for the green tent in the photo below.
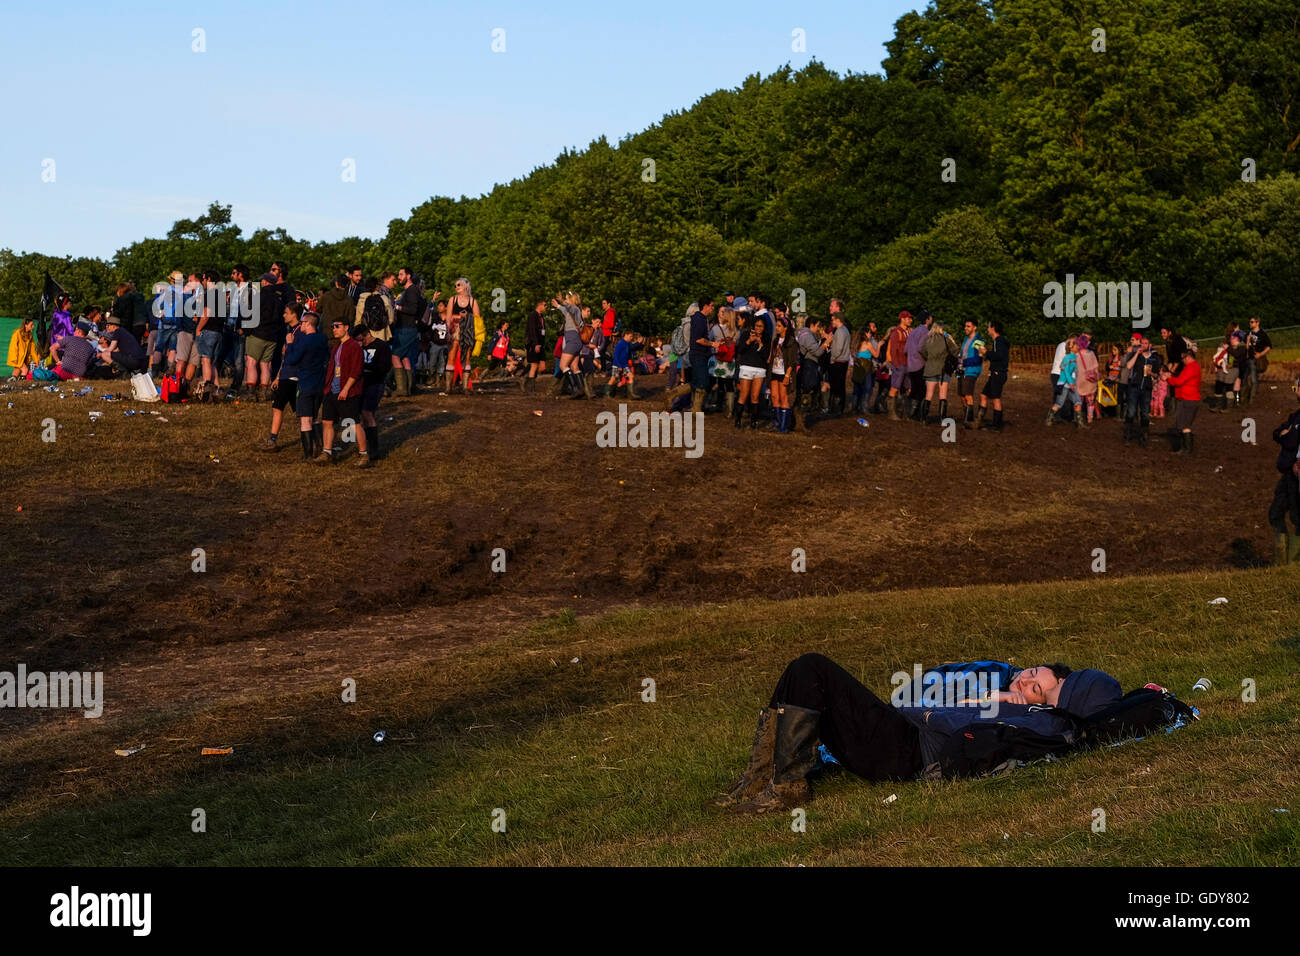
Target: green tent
{"x": 7, "y": 327}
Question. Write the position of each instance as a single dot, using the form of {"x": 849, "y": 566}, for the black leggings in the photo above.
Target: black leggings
{"x": 865, "y": 734}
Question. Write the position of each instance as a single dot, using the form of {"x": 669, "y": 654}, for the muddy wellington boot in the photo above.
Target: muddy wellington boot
{"x": 794, "y": 756}
{"x": 758, "y": 773}
{"x": 672, "y": 394}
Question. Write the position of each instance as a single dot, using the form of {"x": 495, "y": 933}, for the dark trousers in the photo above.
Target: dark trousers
{"x": 839, "y": 374}
{"x": 1286, "y": 501}
{"x": 1137, "y": 406}
{"x": 865, "y": 734}
{"x": 917, "y": 380}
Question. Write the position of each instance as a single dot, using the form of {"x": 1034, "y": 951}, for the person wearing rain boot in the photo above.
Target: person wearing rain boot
{"x": 1143, "y": 365}
{"x": 784, "y": 362}
{"x": 1186, "y": 386}
{"x": 621, "y": 365}
{"x": 308, "y": 353}
{"x": 938, "y": 350}
{"x": 751, "y": 357}
{"x": 999, "y": 358}
{"x": 972, "y": 364}
{"x": 701, "y": 347}
{"x": 1286, "y": 496}
{"x": 816, "y": 699}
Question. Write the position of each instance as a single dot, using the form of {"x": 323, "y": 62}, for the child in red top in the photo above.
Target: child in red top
{"x": 1186, "y": 384}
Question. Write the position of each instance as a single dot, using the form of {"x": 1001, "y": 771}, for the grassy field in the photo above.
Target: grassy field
{"x": 550, "y": 726}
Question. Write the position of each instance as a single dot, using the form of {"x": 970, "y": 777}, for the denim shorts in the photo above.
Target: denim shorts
{"x": 209, "y": 344}
{"x": 164, "y": 341}
{"x": 406, "y": 343}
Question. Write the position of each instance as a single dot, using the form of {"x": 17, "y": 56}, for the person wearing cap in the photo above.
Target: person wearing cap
{"x": 972, "y": 366}
{"x": 262, "y": 339}
{"x": 818, "y": 700}
{"x": 896, "y": 355}
{"x": 344, "y": 385}
{"x": 75, "y": 354}
{"x": 308, "y": 354}
{"x": 1286, "y": 496}
{"x": 1087, "y": 375}
{"x": 119, "y": 349}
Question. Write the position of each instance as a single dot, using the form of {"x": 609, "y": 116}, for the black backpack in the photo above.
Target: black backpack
{"x": 373, "y": 313}
{"x": 994, "y": 747}
{"x": 1136, "y": 714}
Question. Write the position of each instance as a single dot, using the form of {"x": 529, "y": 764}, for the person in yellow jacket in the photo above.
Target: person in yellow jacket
{"x": 22, "y": 350}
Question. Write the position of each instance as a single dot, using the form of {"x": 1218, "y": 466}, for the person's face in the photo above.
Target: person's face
{"x": 1035, "y": 683}
{"x": 402, "y": 276}
{"x": 290, "y": 315}
{"x": 871, "y": 327}
{"x": 990, "y": 331}
{"x": 759, "y": 328}
{"x": 275, "y": 270}
{"x": 906, "y": 323}
{"x": 1164, "y": 334}
{"x": 389, "y": 282}
{"x": 355, "y": 276}
{"x": 969, "y": 327}
{"x": 460, "y": 288}
{"x": 339, "y": 329}
{"x": 1254, "y": 325}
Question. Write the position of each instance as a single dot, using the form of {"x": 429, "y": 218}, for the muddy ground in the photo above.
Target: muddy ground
{"x": 309, "y": 569}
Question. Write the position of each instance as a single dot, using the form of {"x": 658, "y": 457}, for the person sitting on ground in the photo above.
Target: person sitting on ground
{"x": 22, "y": 350}
{"x": 121, "y": 350}
{"x": 61, "y": 323}
{"x": 75, "y": 354}
{"x": 816, "y": 699}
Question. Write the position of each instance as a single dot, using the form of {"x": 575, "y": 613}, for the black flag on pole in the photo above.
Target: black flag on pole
{"x": 49, "y": 294}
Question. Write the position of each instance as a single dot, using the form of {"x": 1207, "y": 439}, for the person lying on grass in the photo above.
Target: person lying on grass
{"x": 816, "y": 699}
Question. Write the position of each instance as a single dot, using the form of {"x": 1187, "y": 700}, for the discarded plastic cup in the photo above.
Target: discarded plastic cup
{"x": 1202, "y": 684}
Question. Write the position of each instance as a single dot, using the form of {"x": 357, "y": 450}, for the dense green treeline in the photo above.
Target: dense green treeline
{"x": 1161, "y": 150}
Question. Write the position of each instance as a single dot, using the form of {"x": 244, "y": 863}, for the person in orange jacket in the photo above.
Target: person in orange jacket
{"x": 1186, "y": 383}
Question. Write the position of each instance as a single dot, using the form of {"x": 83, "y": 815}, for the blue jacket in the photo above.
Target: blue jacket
{"x": 1083, "y": 694}
{"x": 309, "y": 354}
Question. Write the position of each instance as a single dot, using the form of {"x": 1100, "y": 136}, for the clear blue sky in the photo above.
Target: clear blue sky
{"x": 144, "y": 131}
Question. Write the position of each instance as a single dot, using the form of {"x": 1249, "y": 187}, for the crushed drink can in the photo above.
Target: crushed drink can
{"x": 1202, "y": 684}
{"x": 864, "y": 423}
{"x": 379, "y": 736}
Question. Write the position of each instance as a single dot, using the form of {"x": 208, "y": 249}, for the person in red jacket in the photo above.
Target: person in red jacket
{"x": 343, "y": 388}
{"x": 1186, "y": 385}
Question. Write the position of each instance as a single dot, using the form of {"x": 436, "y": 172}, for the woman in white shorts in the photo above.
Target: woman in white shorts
{"x": 751, "y": 357}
